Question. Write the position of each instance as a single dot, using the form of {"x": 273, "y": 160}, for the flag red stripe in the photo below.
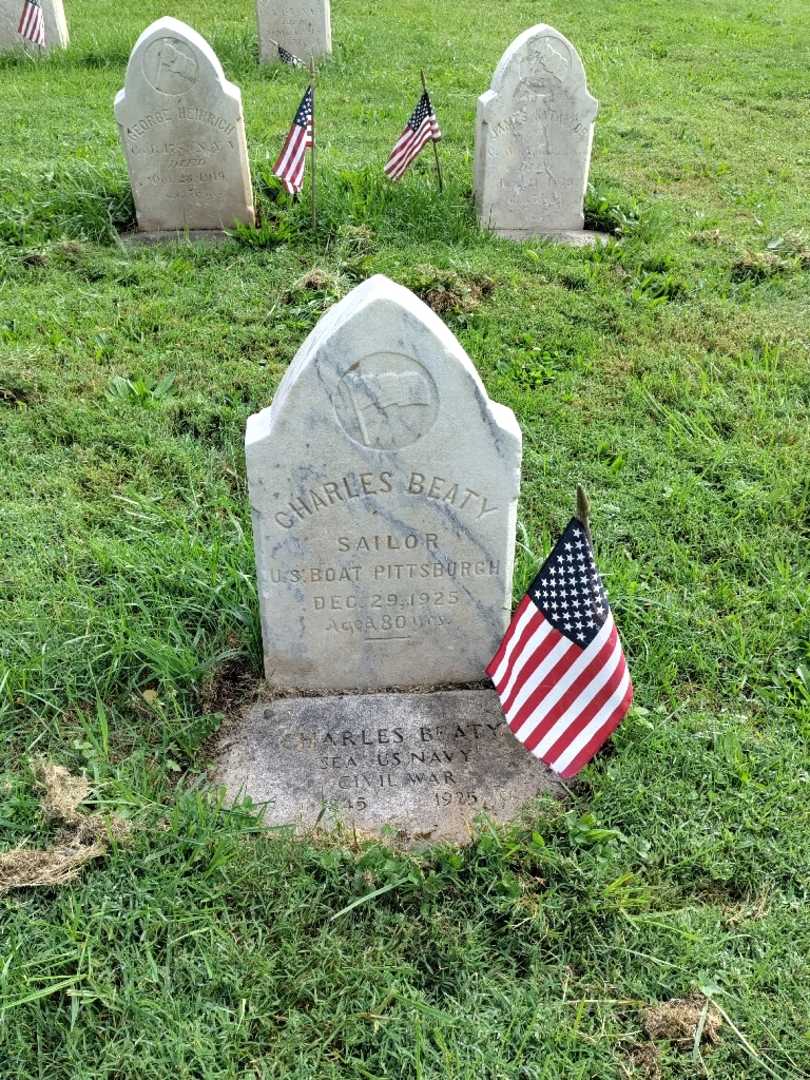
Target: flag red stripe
{"x": 614, "y": 676}
{"x": 407, "y": 140}
{"x": 535, "y": 629}
{"x": 577, "y": 707}
{"x": 290, "y": 148}
{"x": 394, "y": 156}
{"x": 603, "y": 731}
{"x": 32, "y": 24}
{"x": 287, "y": 151}
{"x": 530, "y": 622}
{"x": 538, "y": 716}
{"x": 422, "y": 136}
{"x": 292, "y": 160}
{"x": 407, "y": 148}
{"x": 496, "y": 660}
{"x": 540, "y": 685}
{"x": 539, "y": 654}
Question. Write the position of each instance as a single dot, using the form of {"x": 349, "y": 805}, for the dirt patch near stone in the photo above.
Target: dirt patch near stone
{"x": 447, "y": 292}
{"x": 646, "y": 1062}
{"x": 83, "y": 838}
{"x": 677, "y": 1021}
{"x": 233, "y": 686}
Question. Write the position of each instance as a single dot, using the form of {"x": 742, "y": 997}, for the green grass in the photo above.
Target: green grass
{"x": 668, "y": 372}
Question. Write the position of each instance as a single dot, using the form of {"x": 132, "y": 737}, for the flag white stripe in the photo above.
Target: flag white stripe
{"x": 523, "y": 657}
{"x": 580, "y": 703}
{"x": 527, "y": 614}
{"x": 409, "y": 145}
{"x": 547, "y": 664}
{"x": 292, "y": 164}
{"x": 290, "y": 151}
{"x": 404, "y": 144}
{"x": 283, "y": 167}
{"x": 32, "y": 24}
{"x": 421, "y": 138}
{"x": 590, "y": 729}
{"x": 547, "y": 703}
{"x": 409, "y": 135}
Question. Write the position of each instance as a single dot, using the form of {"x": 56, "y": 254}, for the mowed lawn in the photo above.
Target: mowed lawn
{"x": 669, "y": 372}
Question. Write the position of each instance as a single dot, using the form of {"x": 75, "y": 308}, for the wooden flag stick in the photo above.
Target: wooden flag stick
{"x": 584, "y": 509}
{"x": 313, "y": 74}
{"x": 433, "y": 141}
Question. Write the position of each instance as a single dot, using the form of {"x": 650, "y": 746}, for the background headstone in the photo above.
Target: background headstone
{"x": 303, "y": 27}
{"x": 56, "y": 31}
{"x": 183, "y": 134}
{"x": 384, "y": 485}
{"x": 533, "y": 139}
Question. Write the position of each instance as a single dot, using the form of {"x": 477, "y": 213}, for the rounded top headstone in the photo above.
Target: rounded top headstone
{"x": 172, "y": 59}
{"x": 384, "y": 485}
{"x": 542, "y": 58}
{"x": 534, "y": 133}
{"x": 422, "y": 366}
{"x": 183, "y": 134}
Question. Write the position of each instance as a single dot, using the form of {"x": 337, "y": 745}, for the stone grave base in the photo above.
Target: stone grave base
{"x": 175, "y": 236}
{"x": 567, "y": 237}
{"x": 413, "y": 767}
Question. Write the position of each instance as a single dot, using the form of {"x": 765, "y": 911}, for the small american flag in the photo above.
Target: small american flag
{"x": 420, "y": 129}
{"x": 291, "y": 161}
{"x": 32, "y": 23}
{"x": 560, "y": 671}
{"x": 289, "y": 58}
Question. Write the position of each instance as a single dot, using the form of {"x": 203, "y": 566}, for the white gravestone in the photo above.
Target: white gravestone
{"x": 56, "y": 31}
{"x": 302, "y": 27}
{"x": 183, "y": 134}
{"x": 533, "y": 139}
{"x": 384, "y": 485}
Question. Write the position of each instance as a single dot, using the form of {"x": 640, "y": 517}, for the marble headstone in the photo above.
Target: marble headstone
{"x": 183, "y": 134}
{"x": 534, "y": 131}
{"x": 56, "y": 31}
{"x": 303, "y": 27}
{"x": 383, "y": 483}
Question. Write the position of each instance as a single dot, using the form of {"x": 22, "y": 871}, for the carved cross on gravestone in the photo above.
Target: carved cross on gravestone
{"x": 534, "y": 133}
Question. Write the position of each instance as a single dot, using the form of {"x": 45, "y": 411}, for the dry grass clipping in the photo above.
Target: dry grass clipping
{"x": 85, "y": 836}
{"x": 63, "y": 792}
{"x": 677, "y": 1021}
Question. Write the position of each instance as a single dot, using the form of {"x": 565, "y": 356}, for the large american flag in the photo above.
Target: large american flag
{"x": 420, "y": 129}
{"x": 291, "y": 161}
{"x": 560, "y": 671}
{"x": 32, "y": 23}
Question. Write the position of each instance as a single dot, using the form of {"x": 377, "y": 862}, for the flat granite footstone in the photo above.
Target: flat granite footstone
{"x": 384, "y": 484}
{"x": 533, "y": 137}
{"x": 183, "y": 134}
{"x": 302, "y": 27}
{"x": 416, "y": 767}
{"x": 56, "y": 29}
